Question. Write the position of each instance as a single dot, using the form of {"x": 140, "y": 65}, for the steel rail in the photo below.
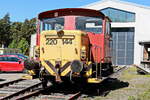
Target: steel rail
{"x": 75, "y": 96}
{"x": 34, "y": 93}
{"x": 10, "y": 82}
{"x": 21, "y": 91}
{"x": 38, "y": 92}
{"x": 117, "y": 72}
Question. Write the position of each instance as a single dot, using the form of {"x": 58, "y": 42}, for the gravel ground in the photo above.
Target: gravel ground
{"x": 137, "y": 84}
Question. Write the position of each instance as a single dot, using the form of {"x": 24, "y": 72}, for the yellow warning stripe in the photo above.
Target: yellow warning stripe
{"x": 48, "y": 68}
{"x": 66, "y": 71}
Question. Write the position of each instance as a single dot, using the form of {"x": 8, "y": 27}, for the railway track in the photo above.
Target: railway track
{"x": 10, "y": 82}
{"x": 58, "y": 96}
{"x": 117, "y": 72}
{"x": 21, "y": 89}
{"x": 12, "y": 90}
{"x": 49, "y": 94}
{"x": 27, "y": 89}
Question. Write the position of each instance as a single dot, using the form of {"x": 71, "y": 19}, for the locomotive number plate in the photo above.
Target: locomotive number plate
{"x": 51, "y": 41}
{"x": 66, "y": 41}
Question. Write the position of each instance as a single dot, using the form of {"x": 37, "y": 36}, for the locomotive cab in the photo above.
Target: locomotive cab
{"x": 73, "y": 44}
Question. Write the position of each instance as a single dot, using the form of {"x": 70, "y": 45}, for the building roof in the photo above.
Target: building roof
{"x": 118, "y": 1}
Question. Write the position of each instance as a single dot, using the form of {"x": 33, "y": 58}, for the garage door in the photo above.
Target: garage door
{"x": 123, "y": 46}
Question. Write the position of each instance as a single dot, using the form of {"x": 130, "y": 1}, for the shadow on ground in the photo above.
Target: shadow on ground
{"x": 2, "y": 80}
{"x": 89, "y": 90}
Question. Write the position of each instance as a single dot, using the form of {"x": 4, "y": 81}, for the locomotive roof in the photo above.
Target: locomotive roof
{"x": 71, "y": 11}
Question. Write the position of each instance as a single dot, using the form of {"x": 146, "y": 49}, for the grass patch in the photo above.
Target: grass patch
{"x": 131, "y": 98}
{"x": 129, "y": 74}
{"x": 143, "y": 96}
{"x": 147, "y": 75}
{"x": 138, "y": 89}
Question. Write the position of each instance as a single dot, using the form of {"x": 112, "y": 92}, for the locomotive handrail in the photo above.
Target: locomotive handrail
{"x": 96, "y": 48}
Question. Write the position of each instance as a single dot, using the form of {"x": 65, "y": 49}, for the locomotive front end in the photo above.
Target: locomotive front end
{"x": 62, "y": 52}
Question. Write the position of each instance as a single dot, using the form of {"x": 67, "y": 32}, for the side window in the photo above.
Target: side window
{"x": 13, "y": 59}
{"x": 95, "y": 27}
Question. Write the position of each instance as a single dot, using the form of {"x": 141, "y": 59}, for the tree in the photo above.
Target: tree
{"x": 15, "y": 34}
{"x": 21, "y": 34}
{"x": 23, "y": 45}
{"x": 28, "y": 28}
{"x": 5, "y": 30}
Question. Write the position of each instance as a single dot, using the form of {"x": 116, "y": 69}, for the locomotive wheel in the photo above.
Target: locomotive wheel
{"x": 111, "y": 69}
{"x": 108, "y": 71}
{"x": 44, "y": 83}
{"x": 98, "y": 92}
{"x": 43, "y": 78}
{"x": 41, "y": 74}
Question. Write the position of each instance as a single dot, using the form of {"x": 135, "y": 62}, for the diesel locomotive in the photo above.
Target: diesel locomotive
{"x": 73, "y": 44}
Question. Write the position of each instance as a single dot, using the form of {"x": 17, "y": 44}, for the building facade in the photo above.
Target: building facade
{"x": 130, "y": 25}
{"x": 32, "y": 46}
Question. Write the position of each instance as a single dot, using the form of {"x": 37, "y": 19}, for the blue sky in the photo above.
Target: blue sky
{"x": 22, "y": 9}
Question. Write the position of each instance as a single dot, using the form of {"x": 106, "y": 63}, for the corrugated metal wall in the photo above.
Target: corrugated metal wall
{"x": 123, "y": 46}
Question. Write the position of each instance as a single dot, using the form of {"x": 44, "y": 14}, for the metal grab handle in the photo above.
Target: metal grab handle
{"x": 96, "y": 49}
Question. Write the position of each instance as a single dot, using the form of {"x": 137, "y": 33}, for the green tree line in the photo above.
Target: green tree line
{"x": 16, "y": 34}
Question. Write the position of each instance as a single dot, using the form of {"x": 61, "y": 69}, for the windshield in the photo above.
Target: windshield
{"x": 89, "y": 24}
{"x": 52, "y": 23}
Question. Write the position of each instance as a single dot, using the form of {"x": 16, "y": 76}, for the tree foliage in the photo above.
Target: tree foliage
{"x": 5, "y": 30}
{"x": 23, "y": 45}
{"x": 17, "y": 34}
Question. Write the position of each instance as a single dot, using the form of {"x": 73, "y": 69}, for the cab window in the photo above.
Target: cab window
{"x": 51, "y": 23}
{"x": 89, "y": 24}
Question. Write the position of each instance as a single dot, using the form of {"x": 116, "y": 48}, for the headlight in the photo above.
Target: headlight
{"x": 83, "y": 53}
{"x": 76, "y": 66}
{"x": 37, "y": 51}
